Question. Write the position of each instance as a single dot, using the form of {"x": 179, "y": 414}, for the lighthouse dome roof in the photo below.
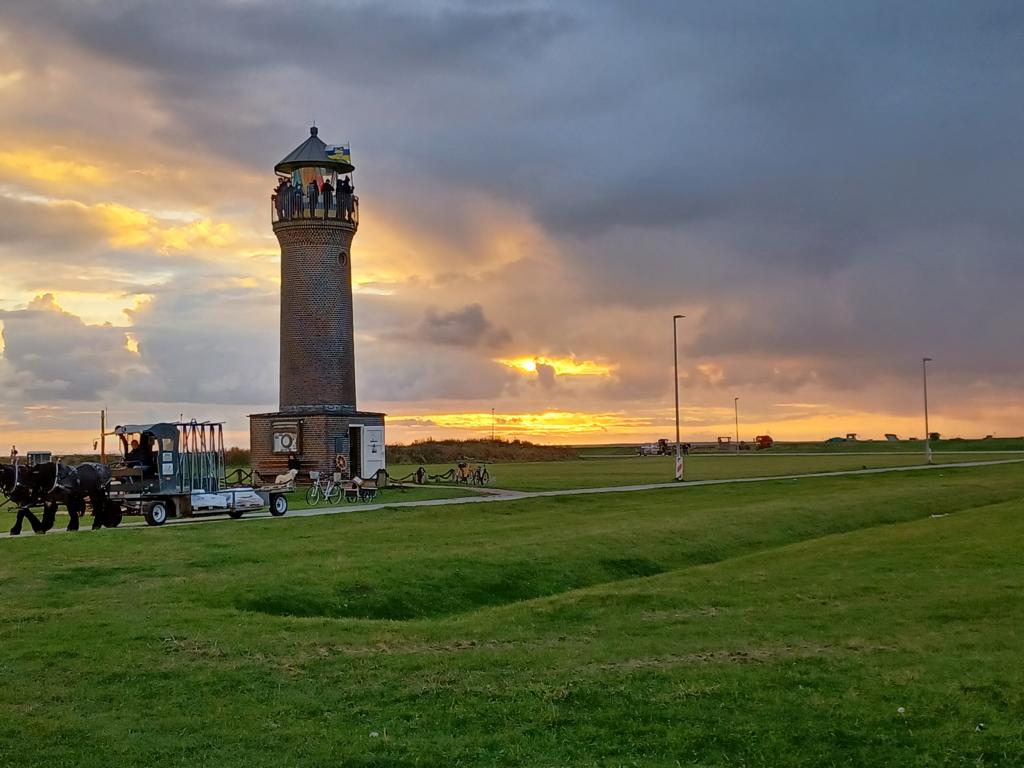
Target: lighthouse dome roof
{"x": 314, "y": 153}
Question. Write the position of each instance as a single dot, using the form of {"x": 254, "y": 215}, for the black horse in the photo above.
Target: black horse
{"x": 18, "y": 483}
{"x": 54, "y": 483}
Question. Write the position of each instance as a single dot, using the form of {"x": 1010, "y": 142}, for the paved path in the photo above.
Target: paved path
{"x": 495, "y": 495}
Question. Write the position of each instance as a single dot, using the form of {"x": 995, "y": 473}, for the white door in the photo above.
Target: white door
{"x": 373, "y": 450}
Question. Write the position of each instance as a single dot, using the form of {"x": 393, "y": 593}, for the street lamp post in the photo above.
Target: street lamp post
{"x": 927, "y": 429}
{"x": 736, "y": 408}
{"x": 675, "y": 359}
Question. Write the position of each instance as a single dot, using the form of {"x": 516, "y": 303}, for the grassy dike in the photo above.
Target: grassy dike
{"x": 782, "y": 623}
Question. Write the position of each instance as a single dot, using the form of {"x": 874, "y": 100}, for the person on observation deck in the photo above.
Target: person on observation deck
{"x": 280, "y": 198}
{"x": 285, "y": 196}
{"x": 314, "y": 195}
{"x": 345, "y": 198}
{"x": 328, "y": 196}
{"x": 297, "y": 201}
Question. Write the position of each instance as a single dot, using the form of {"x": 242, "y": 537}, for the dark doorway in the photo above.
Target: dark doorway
{"x": 355, "y": 448}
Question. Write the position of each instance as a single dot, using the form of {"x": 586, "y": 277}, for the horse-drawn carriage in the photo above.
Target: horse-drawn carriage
{"x": 176, "y": 469}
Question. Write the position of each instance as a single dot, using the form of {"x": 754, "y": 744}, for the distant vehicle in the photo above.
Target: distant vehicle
{"x": 891, "y": 437}
{"x": 836, "y": 440}
{"x": 851, "y": 437}
{"x": 660, "y": 448}
{"x": 764, "y": 441}
{"x": 35, "y": 458}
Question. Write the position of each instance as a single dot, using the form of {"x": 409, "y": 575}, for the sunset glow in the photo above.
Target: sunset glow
{"x": 561, "y": 366}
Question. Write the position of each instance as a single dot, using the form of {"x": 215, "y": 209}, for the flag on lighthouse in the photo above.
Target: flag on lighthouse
{"x": 339, "y": 152}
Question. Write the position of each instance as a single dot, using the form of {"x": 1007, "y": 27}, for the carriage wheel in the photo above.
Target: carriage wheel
{"x": 278, "y": 505}
{"x": 156, "y": 513}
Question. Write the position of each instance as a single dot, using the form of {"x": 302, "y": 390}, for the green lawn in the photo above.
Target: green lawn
{"x": 776, "y": 624}
{"x": 591, "y": 473}
{"x": 953, "y": 445}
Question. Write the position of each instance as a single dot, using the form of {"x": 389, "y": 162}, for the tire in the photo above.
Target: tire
{"x": 352, "y": 497}
{"x": 313, "y": 495}
{"x": 485, "y": 477}
{"x": 278, "y": 505}
{"x": 113, "y": 520}
{"x": 235, "y": 514}
{"x": 334, "y": 495}
{"x": 157, "y": 513}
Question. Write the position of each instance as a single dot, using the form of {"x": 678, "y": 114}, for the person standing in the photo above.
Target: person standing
{"x": 314, "y": 195}
{"x": 345, "y": 198}
{"x": 286, "y": 194}
{"x": 328, "y": 195}
{"x": 280, "y": 198}
{"x": 297, "y": 201}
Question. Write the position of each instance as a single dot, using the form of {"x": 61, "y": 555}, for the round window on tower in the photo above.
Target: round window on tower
{"x": 343, "y": 258}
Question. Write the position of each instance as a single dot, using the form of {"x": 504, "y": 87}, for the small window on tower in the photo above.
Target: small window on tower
{"x": 343, "y": 258}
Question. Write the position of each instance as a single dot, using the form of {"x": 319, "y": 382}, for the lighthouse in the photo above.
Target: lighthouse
{"x": 318, "y": 427}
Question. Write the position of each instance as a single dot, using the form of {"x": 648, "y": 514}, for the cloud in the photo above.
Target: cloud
{"x": 52, "y": 354}
{"x": 828, "y": 192}
{"x": 465, "y": 327}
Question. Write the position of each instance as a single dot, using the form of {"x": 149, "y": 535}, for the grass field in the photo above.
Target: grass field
{"x": 954, "y": 445}
{"x": 592, "y": 473}
{"x": 776, "y": 624}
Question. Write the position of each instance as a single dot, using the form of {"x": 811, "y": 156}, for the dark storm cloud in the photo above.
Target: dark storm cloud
{"x": 371, "y": 42}
{"x": 465, "y": 327}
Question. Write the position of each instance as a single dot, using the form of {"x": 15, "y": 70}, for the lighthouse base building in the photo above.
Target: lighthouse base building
{"x": 313, "y": 441}
{"x": 318, "y": 428}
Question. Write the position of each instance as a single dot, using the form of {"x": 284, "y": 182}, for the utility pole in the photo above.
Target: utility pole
{"x": 736, "y": 408}
{"x": 492, "y": 425}
{"x": 927, "y": 429}
{"x": 675, "y": 359}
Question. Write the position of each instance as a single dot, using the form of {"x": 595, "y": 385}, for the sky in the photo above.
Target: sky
{"x": 828, "y": 192}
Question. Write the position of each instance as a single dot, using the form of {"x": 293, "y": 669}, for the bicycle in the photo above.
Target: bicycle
{"x": 326, "y": 491}
{"x": 481, "y": 476}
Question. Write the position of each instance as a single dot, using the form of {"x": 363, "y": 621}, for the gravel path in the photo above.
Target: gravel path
{"x": 496, "y": 495}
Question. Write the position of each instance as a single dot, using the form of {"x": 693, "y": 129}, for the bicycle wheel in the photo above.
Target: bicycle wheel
{"x": 333, "y": 493}
{"x": 485, "y": 477}
{"x": 313, "y": 495}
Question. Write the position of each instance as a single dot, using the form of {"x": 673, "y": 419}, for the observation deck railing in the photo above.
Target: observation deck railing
{"x": 297, "y": 208}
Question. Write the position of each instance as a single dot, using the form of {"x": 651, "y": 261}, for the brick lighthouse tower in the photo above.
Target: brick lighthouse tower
{"x": 315, "y": 215}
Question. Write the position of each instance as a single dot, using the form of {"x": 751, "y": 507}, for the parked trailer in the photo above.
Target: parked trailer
{"x": 176, "y": 469}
